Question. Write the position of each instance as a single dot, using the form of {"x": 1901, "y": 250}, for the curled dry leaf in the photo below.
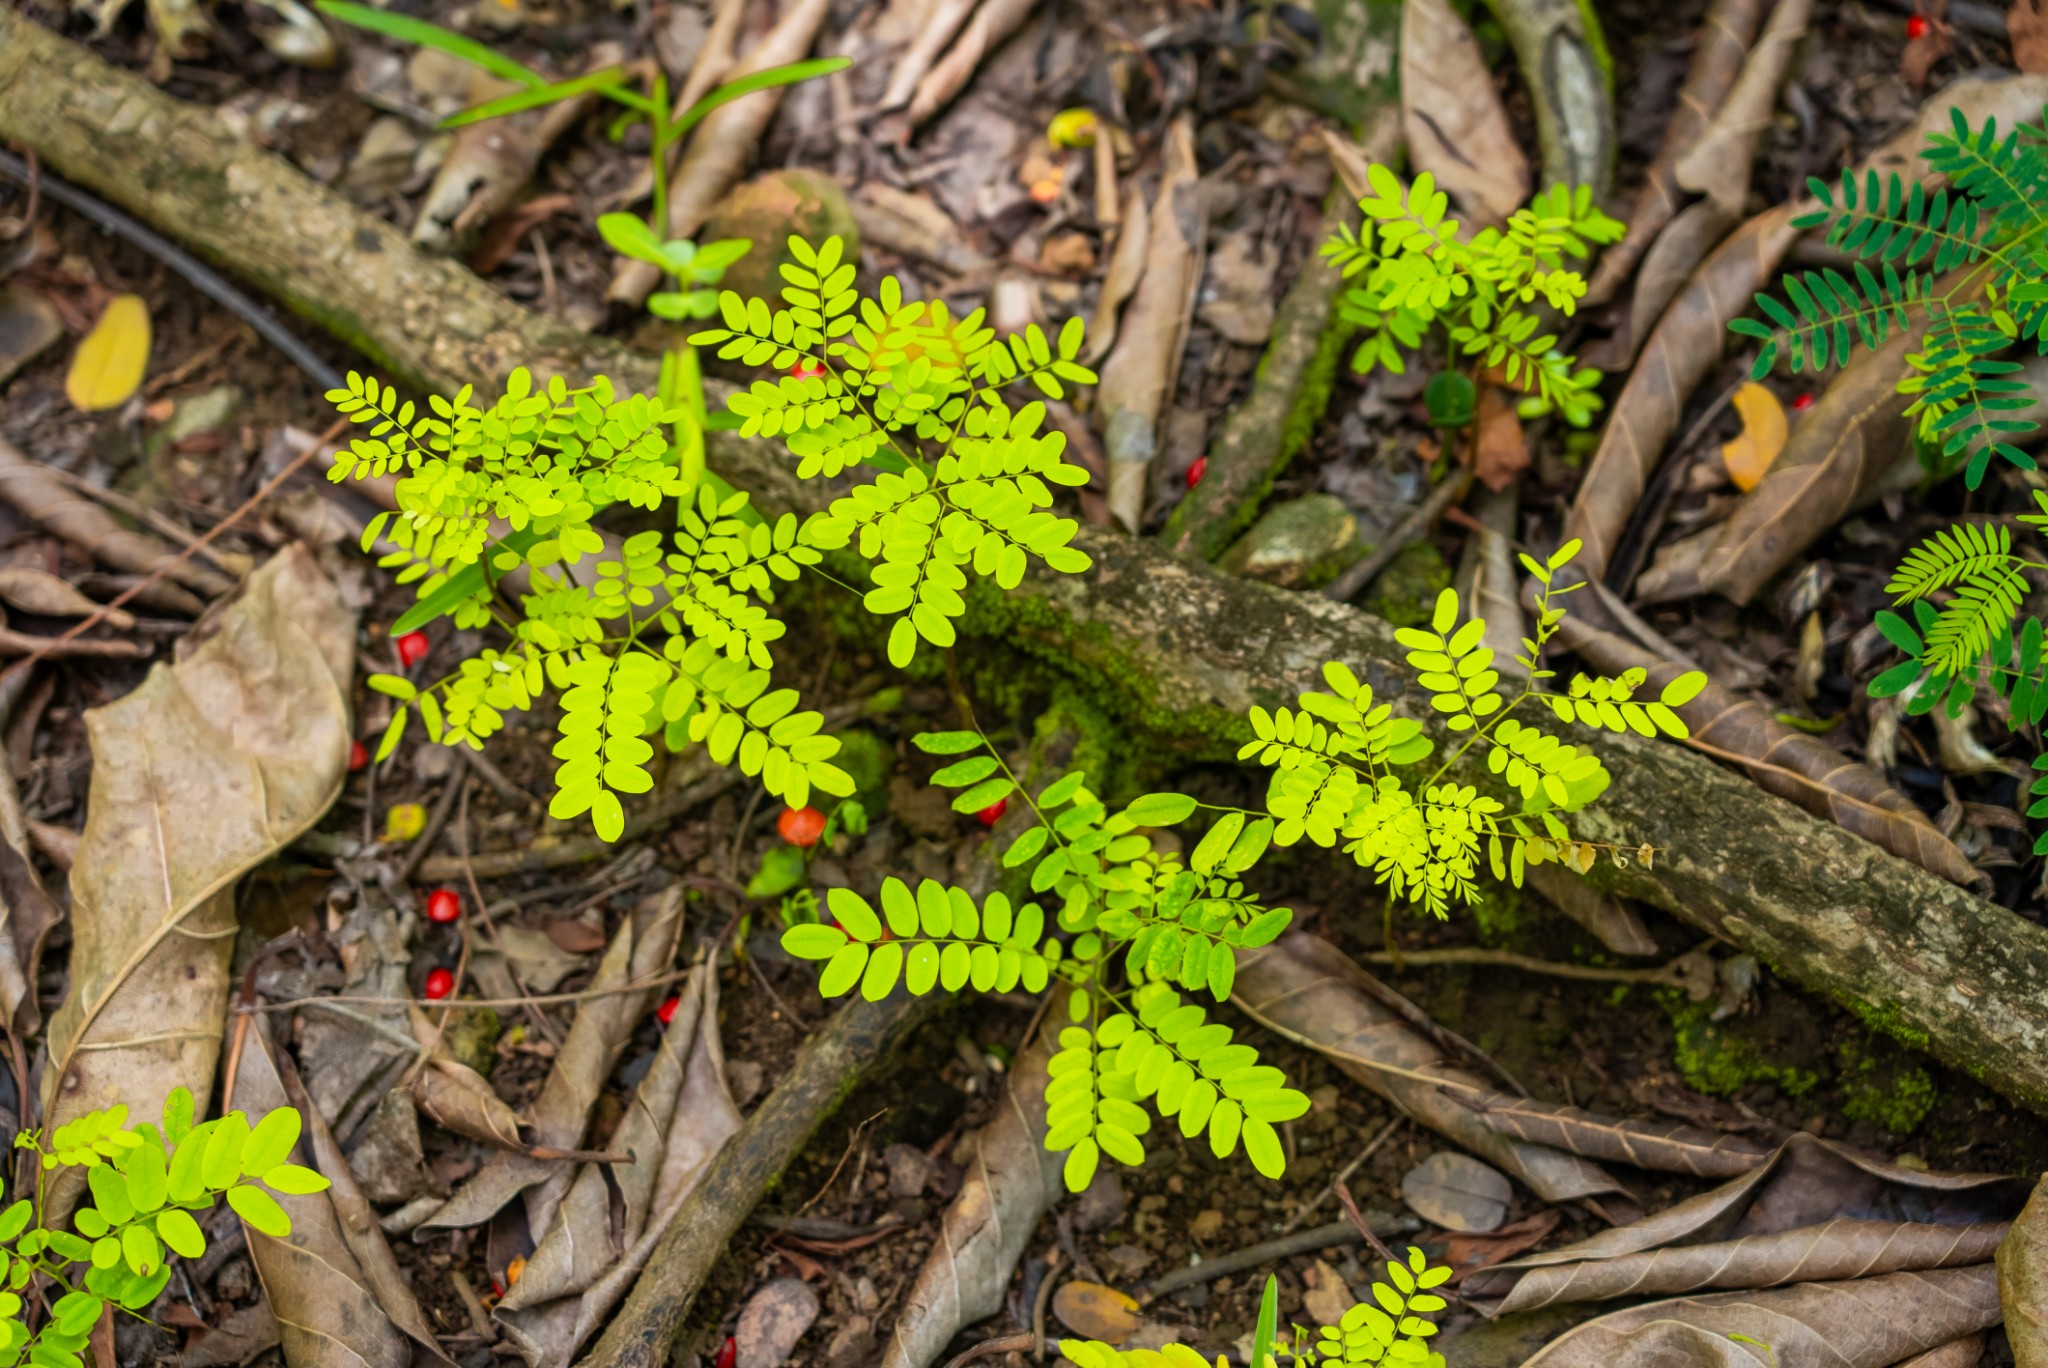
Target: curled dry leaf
{"x": 1966, "y": 1352}
{"x": 1503, "y": 448}
{"x": 1456, "y": 126}
{"x": 27, "y": 911}
{"x": 1011, "y": 1182}
{"x": 1612, "y": 921}
{"x": 1665, "y": 1146}
{"x": 723, "y": 145}
{"x": 457, "y": 1097}
{"x": 1698, "y": 229}
{"x": 1846, "y": 450}
{"x": 1126, "y": 268}
{"x": 1793, "y": 765}
{"x": 2023, "y": 1282}
{"x": 1690, "y": 334}
{"x": 640, "y": 952}
{"x": 1764, "y": 430}
{"x": 39, "y": 591}
{"x": 1812, "y": 1212}
{"x": 994, "y": 21}
{"x": 1865, "y": 1323}
{"x": 110, "y": 361}
{"x": 1718, "y": 164}
{"x": 1717, "y": 56}
{"x": 1454, "y": 1191}
{"x": 489, "y": 163}
{"x": 207, "y": 769}
{"x": 41, "y": 495}
{"x": 330, "y": 1312}
{"x": 1138, "y": 378}
{"x": 683, "y": 1112}
{"x": 1309, "y": 991}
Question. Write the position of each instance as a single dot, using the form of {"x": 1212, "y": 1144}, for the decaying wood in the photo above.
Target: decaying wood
{"x": 1175, "y": 651}
{"x": 1559, "y": 52}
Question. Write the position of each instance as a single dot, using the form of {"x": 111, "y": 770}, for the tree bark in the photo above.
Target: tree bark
{"x": 1174, "y": 651}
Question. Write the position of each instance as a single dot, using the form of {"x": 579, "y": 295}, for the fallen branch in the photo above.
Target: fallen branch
{"x": 1174, "y": 652}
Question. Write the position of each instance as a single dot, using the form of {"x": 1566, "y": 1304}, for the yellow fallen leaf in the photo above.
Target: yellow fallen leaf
{"x": 1095, "y": 1311}
{"x": 1762, "y": 437}
{"x": 110, "y": 361}
{"x": 404, "y": 821}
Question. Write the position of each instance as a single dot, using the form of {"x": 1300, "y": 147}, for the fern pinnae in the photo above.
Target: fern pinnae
{"x": 1981, "y": 609}
{"x": 1955, "y": 553}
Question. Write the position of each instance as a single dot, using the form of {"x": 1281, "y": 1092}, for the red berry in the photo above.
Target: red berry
{"x": 440, "y": 984}
{"x": 358, "y": 756}
{"x": 412, "y": 648}
{"x": 728, "y": 1354}
{"x": 444, "y": 905}
{"x": 1802, "y": 403}
{"x": 1197, "y": 470}
{"x": 993, "y": 813}
{"x": 801, "y": 826}
{"x": 805, "y": 370}
{"x": 1916, "y": 28}
{"x": 667, "y": 1011}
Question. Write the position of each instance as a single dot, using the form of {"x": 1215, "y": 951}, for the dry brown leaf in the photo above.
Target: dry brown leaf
{"x": 1812, "y": 1212}
{"x": 1095, "y": 1311}
{"x": 210, "y": 767}
{"x": 1503, "y": 448}
{"x": 2027, "y": 26}
{"x": 1138, "y": 378}
{"x": 1126, "y": 268}
{"x": 1309, "y": 991}
{"x": 39, "y": 591}
{"x": 1960, "y": 1353}
{"x": 27, "y": 911}
{"x": 1718, "y": 164}
{"x": 1456, "y": 1192}
{"x": 1865, "y": 1323}
{"x": 1011, "y": 1182}
{"x": 1456, "y": 126}
{"x": 1666, "y": 1146}
{"x": 2023, "y": 1282}
{"x": 43, "y": 497}
{"x": 1692, "y": 331}
{"x": 1612, "y": 921}
{"x": 1847, "y": 447}
{"x": 457, "y": 1097}
{"x": 1764, "y": 430}
{"x": 329, "y": 1311}
{"x": 640, "y": 953}
{"x": 724, "y": 144}
{"x": 1793, "y": 765}
{"x": 1468, "y": 1253}
{"x": 994, "y": 21}
{"x": 772, "y": 1322}
{"x": 1681, "y": 247}
{"x": 1717, "y": 55}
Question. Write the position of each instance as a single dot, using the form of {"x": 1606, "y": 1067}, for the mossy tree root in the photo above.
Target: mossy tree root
{"x": 1171, "y": 651}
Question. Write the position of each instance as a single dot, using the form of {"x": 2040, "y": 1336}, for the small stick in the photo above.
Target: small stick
{"x": 1351, "y": 1214}
{"x": 1301, "y": 1242}
{"x": 1372, "y": 1147}
{"x": 1352, "y": 581}
{"x": 1001, "y": 1344}
{"x": 458, "y": 784}
{"x": 1041, "y": 1301}
{"x": 1667, "y": 974}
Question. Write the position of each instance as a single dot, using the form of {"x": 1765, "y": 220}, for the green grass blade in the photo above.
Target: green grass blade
{"x": 760, "y": 80}
{"x": 535, "y": 96}
{"x": 407, "y": 29}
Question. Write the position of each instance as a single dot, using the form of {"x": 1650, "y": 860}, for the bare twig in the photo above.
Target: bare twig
{"x": 1286, "y": 1246}
{"x": 1451, "y": 489}
{"x": 1372, "y": 1147}
{"x": 1668, "y": 974}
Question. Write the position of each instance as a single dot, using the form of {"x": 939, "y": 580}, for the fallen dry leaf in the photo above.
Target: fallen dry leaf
{"x": 42, "y": 495}
{"x": 210, "y": 767}
{"x": 1613, "y": 922}
{"x": 2026, "y": 24}
{"x": 640, "y": 953}
{"x": 1328, "y": 1298}
{"x": 29, "y": 324}
{"x": 1718, "y": 164}
{"x": 1138, "y": 378}
{"x": 1454, "y": 1191}
{"x": 2023, "y": 1282}
{"x": 1813, "y": 1212}
{"x": 1717, "y": 55}
{"x": 1309, "y": 991}
{"x": 1664, "y": 1146}
{"x": 1503, "y": 448}
{"x": 111, "y": 359}
{"x": 1126, "y": 268}
{"x": 1011, "y": 1182}
{"x": 1865, "y": 1323}
{"x": 328, "y": 1313}
{"x": 772, "y": 1322}
{"x": 1095, "y": 1311}
{"x": 1468, "y": 1253}
{"x": 1456, "y": 126}
{"x": 993, "y": 21}
{"x": 1764, "y": 429}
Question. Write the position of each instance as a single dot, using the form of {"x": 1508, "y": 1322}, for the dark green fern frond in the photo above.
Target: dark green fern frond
{"x": 1966, "y": 392}
{"x": 2004, "y": 175}
{"x": 1888, "y": 222}
{"x": 1829, "y": 314}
